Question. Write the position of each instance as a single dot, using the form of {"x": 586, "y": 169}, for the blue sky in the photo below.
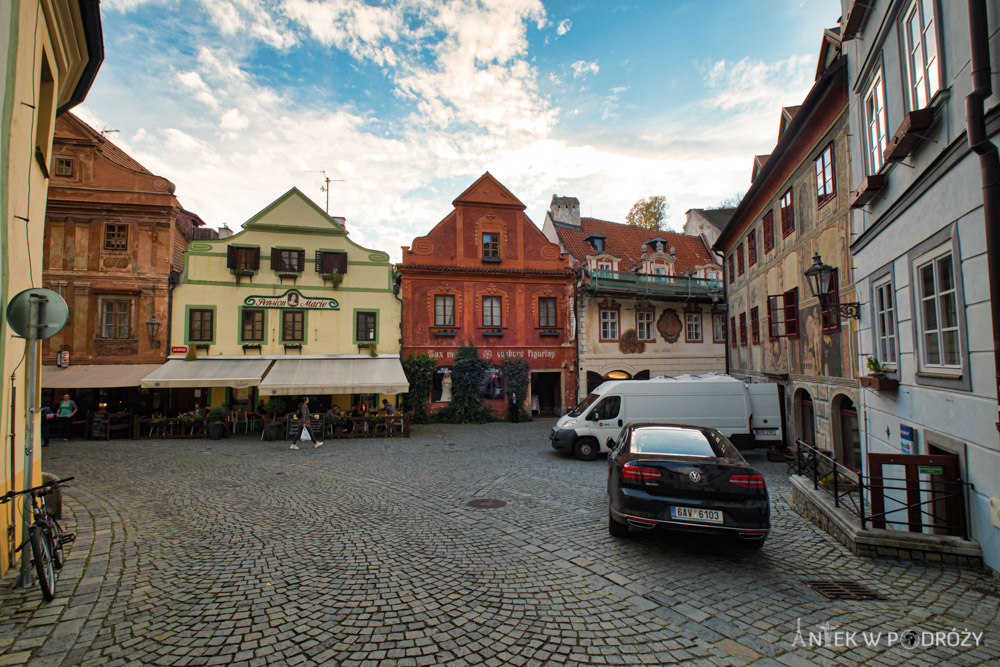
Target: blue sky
{"x": 409, "y": 101}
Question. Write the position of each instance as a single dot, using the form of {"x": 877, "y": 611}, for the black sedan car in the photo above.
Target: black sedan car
{"x": 684, "y": 478}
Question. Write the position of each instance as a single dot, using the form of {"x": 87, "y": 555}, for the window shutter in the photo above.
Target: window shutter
{"x": 341, "y": 262}
{"x": 318, "y": 262}
{"x": 773, "y": 316}
{"x": 792, "y": 313}
{"x": 230, "y": 257}
{"x": 275, "y": 259}
{"x": 256, "y": 258}
{"x": 300, "y": 260}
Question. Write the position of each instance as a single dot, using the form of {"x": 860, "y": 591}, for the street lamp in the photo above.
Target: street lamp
{"x": 152, "y": 328}
{"x": 819, "y": 276}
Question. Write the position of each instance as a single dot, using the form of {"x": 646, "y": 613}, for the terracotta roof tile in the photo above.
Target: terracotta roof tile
{"x": 626, "y": 242}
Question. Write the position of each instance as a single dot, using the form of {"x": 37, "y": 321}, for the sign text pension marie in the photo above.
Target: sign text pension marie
{"x": 291, "y": 299}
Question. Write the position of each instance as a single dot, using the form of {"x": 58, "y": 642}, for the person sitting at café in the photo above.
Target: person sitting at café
{"x": 387, "y": 407}
{"x": 333, "y": 413}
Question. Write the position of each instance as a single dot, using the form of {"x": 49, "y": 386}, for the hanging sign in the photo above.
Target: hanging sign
{"x": 292, "y": 299}
{"x": 907, "y": 439}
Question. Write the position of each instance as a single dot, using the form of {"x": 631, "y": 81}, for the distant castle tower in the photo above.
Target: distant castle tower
{"x": 565, "y": 210}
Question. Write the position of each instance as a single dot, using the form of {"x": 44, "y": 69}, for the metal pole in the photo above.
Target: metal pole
{"x": 35, "y": 305}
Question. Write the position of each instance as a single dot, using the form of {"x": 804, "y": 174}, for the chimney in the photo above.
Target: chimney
{"x": 565, "y": 210}
{"x": 225, "y": 232}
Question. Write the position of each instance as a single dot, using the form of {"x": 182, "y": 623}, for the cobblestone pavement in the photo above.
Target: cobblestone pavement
{"x": 366, "y": 552}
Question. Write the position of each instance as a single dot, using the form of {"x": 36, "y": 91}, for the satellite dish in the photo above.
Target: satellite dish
{"x": 53, "y": 313}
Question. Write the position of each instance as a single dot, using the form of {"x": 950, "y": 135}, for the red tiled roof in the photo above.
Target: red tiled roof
{"x": 626, "y": 242}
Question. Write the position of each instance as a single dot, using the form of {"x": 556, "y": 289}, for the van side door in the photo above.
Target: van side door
{"x": 606, "y": 420}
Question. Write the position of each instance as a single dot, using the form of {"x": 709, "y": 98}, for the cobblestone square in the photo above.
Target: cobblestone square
{"x": 367, "y": 552}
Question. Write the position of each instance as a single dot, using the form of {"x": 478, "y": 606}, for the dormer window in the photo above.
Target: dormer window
{"x": 64, "y": 166}
{"x": 596, "y": 242}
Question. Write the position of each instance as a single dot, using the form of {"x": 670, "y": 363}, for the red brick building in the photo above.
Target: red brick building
{"x": 487, "y": 274}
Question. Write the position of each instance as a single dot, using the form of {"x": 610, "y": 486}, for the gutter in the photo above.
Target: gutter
{"x": 90, "y": 16}
{"x": 989, "y": 164}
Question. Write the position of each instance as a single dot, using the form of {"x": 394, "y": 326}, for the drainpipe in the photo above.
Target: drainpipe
{"x": 397, "y": 287}
{"x": 989, "y": 163}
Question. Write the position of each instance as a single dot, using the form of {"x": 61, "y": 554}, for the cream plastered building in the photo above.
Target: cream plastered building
{"x": 290, "y": 307}
{"x": 50, "y": 51}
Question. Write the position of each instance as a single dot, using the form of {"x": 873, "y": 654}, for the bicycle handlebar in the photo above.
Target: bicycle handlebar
{"x": 46, "y": 487}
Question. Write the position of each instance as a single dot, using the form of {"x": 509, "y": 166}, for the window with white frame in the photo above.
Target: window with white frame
{"x": 492, "y": 311}
{"x": 885, "y": 322}
{"x": 444, "y": 310}
{"x": 875, "y": 123}
{"x": 937, "y": 299}
{"x": 644, "y": 324}
{"x": 718, "y": 328}
{"x": 116, "y": 318}
{"x": 604, "y": 265}
{"x": 692, "y": 325}
{"x": 609, "y": 325}
{"x": 920, "y": 41}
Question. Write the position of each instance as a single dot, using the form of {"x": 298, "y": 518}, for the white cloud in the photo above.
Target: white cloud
{"x": 564, "y": 27}
{"x": 234, "y": 121}
{"x": 582, "y": 67}
{"x": 193, "y": 82}
{"x": 750, "y": 84}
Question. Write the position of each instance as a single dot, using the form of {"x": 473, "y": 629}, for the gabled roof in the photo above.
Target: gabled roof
{"x": 787, "y": 114}
{"x": 717, "y": 217}
{"x": 489, "y": 191}
{"x": 758, "y": 163}
{"x": 627, "y": 242}
{"x": 105, "y": 147}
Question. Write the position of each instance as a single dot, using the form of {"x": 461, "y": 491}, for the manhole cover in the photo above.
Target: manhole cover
{"x": 844, "y": 590}
{"x": 486, "y": 503}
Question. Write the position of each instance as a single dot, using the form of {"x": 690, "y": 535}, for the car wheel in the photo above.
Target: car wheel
{"x": 616, "y": 528}
{"x": 586, "y": 449}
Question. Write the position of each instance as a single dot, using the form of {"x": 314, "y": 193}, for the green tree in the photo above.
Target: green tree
{"x": 419, "y": 370}
{"x": 648, "y": 213}
{"x": 466, "y": 405}
{"x": 515, "y": 375}
{"x": 728, "y": 202}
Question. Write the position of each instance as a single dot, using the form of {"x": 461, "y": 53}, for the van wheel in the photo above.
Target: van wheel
{"x": 586, "y": 449}
{"x": 615, "y": 528}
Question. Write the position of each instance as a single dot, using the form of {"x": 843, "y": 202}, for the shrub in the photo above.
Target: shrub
{"x": 466, "y": 405}
{"x": 419, "y": 370}
{"x": 217, "y": 415}
{"x": 515, "y": 373}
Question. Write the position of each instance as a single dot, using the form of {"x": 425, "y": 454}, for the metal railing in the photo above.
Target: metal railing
{"x": 858, "y": 494}
{"x": 639, "y": 283}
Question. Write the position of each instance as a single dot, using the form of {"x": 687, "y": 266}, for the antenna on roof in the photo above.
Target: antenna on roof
{"x": 107, "y": 130}
{"x": 325, "y": 188}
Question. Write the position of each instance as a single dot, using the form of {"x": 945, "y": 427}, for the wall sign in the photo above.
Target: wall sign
{"x": 907, "y": 439}
{"x": 178, "y": 349}
{"x": 292, "y": 299}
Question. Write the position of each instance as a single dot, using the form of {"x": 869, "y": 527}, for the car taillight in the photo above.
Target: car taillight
{"x": 640, "y": 473}
{"x": 748, "y": 481}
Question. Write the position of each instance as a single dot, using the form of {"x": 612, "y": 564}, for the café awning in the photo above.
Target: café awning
{"x": 377, "y": 375}
{"x": 235, "y": 373}
{"x": 94, "y": 376}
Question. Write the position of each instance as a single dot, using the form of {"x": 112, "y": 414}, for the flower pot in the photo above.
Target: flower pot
{"x": 272, "y": 432}
{"x": 879, "y": 382}
{"x": 216, "y": 431}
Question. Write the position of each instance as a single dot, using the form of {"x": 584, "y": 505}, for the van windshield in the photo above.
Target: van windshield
{"x": 584, "y": 404}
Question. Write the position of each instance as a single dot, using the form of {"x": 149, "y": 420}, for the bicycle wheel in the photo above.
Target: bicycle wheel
{"x": 41, "y": 549}
{"x": 56, "y": 533}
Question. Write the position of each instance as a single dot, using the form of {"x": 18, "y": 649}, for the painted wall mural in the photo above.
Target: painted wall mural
{"x": 670, "y": 325}
{"x": 629, "y": 343}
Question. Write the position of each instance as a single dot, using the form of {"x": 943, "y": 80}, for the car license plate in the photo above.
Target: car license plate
{"x": 765, "y": 431}
{"x": 696, "y": 514}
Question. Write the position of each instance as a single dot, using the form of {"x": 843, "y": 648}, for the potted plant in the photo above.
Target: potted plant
{"x": 273, "y": 407}
{"x": 159, "y": 426}
{"x": 844, "y": 483}
{"x": 217, "y": 422}
{"x": 334, "y": 278}
{"x": 876, "y": 378}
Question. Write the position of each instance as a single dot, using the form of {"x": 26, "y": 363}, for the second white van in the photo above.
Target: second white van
{"x": 747, "y": 414}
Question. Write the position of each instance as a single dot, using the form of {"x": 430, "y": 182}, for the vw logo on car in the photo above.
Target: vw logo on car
{"x": 694, "y": 476}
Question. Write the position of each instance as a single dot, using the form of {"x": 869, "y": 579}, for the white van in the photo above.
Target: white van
{"x": 748, "y": 414}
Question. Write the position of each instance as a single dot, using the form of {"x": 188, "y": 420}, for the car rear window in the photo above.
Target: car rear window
{"x": 676, "y": 441}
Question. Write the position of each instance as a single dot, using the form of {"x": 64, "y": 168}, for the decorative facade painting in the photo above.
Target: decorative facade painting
{"x": 670, "y": 325}
{"x": 629, "y": 343}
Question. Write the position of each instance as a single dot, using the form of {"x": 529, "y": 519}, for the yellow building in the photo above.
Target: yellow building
{"x": 290, "y": 306}
{"x": 50, "y": 51}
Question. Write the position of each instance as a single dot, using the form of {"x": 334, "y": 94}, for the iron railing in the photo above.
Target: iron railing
{"x": 853, "y": 491}
{"x": 638, "y": 283}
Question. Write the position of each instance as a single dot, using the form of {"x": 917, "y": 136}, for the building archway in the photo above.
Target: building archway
{"x": 846, "y": 431}
{"x": 805, "y": 417}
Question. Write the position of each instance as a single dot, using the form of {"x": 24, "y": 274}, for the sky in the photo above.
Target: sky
{"x": 405, "y": 103}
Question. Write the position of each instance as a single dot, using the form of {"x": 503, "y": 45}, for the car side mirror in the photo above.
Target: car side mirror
{"x": 592, "y": 416}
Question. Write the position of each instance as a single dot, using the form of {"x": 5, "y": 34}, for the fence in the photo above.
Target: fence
{"x": 936, "y": 503}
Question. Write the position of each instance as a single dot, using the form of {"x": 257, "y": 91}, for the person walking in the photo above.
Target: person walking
{"x": 513, "y": 407}
{"x": 48, "y": 416}
{"x": 67, "y": 410}
{"x": 304, "y": 416}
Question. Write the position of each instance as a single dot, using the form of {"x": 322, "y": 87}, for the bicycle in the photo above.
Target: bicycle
{"x": 45, "y": 535}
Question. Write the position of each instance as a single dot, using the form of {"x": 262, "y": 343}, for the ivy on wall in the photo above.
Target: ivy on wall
{"x": 466, "y": 405}
{"x": 419, "y": 370}
{"x": 515, "y": 373}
